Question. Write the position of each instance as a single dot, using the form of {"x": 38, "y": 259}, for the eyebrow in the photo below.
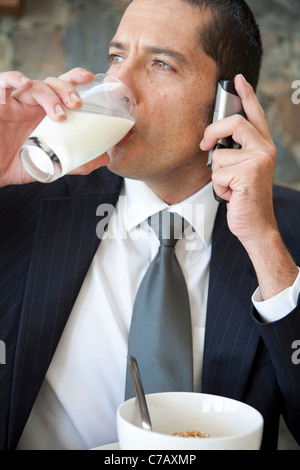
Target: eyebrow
{"x": 155, "y": 50}
{"x": 169, "y": 53}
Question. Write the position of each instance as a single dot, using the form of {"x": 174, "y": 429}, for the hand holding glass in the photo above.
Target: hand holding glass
{"x": 108, "y": 113}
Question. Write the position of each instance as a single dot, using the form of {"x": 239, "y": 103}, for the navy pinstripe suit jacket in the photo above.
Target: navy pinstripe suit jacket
{"x": 47, "y": 242}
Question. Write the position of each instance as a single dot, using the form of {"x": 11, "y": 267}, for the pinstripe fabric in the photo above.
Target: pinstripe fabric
{"x": 243, "y": 358}
{"x": 18, "y": 216}
{"x": 60, "y": 251}
{"x": 230, "y": 337}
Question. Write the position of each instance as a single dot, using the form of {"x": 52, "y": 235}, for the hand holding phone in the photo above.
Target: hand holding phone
{"x": 227, "y": 103}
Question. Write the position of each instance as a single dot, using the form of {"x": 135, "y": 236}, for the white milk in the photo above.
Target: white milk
{"x": 81, "y": 137}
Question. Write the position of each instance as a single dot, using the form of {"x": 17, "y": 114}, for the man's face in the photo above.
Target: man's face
{"x": 156, "y": 53}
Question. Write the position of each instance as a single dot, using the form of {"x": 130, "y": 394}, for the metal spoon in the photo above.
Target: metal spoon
{"x": 139, "y": 391}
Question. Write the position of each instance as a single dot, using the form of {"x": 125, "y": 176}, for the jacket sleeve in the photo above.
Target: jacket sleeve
{"x": 282, "y": 339}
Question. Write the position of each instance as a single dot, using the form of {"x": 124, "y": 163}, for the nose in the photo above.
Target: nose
{"x": 126, "y": 92}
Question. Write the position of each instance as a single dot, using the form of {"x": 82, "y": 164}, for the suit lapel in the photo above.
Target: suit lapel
{"x": 230, "y": 337}
{"x": 65, "y": 243}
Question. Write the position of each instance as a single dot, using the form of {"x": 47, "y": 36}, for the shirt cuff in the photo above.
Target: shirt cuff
{"x": 278, "y": 306}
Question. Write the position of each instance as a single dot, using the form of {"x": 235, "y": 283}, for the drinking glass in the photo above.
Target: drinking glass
{"x": 108, "y": 113}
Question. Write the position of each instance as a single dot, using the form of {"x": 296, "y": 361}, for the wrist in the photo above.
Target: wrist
{"x": 275, "y": 269}
{"x": 280, "y": 305}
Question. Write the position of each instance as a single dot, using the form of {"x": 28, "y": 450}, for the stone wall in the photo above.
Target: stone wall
{"x": 52, "y": 36}
{"x": 279, "y": 23}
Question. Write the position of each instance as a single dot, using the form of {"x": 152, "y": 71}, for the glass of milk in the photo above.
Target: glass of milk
{"x": 108, "y": 113}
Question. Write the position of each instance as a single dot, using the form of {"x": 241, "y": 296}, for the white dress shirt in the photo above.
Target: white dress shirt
{"x": 85, "y": 383}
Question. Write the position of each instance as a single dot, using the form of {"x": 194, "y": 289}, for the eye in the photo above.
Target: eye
{"x": 160, "y": 64}
{"x": 115, "y": 58}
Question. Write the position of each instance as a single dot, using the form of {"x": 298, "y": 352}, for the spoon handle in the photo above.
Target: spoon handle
{"x": 139, "y": 391}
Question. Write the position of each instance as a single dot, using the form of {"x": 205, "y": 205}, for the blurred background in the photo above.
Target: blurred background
{"x": 43, "y": 38}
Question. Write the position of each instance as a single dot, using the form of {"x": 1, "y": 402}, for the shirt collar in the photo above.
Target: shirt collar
{"x": 141, "y": 202}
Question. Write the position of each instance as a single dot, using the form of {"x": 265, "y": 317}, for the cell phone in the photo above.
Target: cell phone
{"x": 227, "y": 103}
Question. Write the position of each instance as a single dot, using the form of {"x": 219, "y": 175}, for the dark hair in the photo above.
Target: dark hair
{"x": 231, "y": 37}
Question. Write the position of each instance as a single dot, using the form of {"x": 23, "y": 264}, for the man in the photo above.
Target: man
{"x": 66, "y": 305}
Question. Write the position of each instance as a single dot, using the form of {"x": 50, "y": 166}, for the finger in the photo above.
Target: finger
{"x": 227, "y": 180}
{"x": 65, "y": 86}
{"x": 229, "y": 157}
{"x": 77, "y": 75}
{"x": 15, "y": 79}
{"x": 241, "y": 171}
{"x": 222, "y": 188}
{"x": 54, "y": 94}
{"x": 40, "y": 94}
{"x": 251, "y": 106}
{"x": 67, "y": 92}
{"x": 10, "y": 81}
{"x": 237, "y": 127}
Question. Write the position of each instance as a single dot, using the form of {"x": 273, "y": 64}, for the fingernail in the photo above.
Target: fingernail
{"x": 59, "y": 109}
{"x": 75, "y": 98}
{"x": 242, "y": 76}
{"x": 202, "y": 144}
{"x": 24, "y": 79}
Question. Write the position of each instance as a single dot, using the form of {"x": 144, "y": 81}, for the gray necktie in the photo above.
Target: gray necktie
{"x": 160, "y": 335}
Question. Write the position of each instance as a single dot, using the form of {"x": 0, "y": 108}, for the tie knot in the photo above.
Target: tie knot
{"x": 167, "y": 226}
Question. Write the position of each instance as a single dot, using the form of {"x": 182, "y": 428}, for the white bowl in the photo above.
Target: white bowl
{"x": 230, "y": 424}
